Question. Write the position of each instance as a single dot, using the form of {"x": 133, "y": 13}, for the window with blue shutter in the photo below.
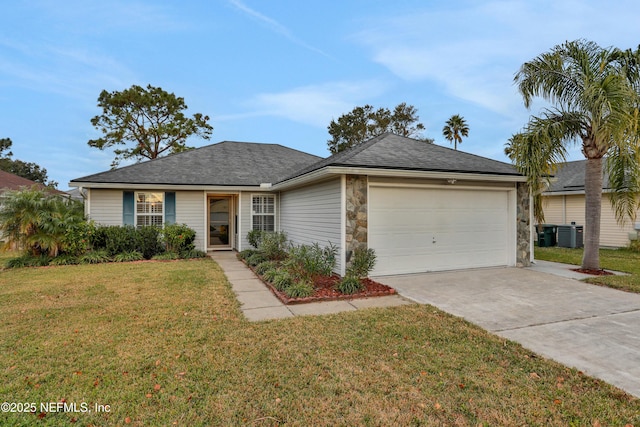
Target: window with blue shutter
{"x": 148, "y": 208}
{"x": 170, "y": 208}
{"x": 128, "y": 208}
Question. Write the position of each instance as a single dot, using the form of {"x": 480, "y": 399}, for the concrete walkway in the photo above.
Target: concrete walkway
{"x": 592, "y": 328}
{"x": 258, "y": 303}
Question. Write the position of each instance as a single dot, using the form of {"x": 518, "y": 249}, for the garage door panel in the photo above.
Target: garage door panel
{"x": 415, "y": 230}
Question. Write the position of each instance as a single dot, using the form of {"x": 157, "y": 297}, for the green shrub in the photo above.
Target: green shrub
{"x": 65, "y": 259}
{"x": 77, "y": 238}
{"x": 634, "y": 245}
{"x": 269, "y": 275}
{"x": 98, "y": 237}
{"x": 128, "y": 256}
{"x": 166, "y": 256}
{"x": 149, "y": 241}
{"x": 256, "y": 259}
{"x": 265, "y": 265}
{"x": 247, "y": 253}
{"x": 95, "y": 257}
{"x": 300, "y": 289}
{"x": 307, "y": 262}
{"x": 192, "y": 254}
{"x": 282, "y": 280}
{"x": 178, "y": 238}
{"x": 350, "y": 285}
{"x": 254, "y": 237}
{"x": 273, "y": 245}
{"x": 362, "y": 263}
{"x": 20, "y": 262}
{"x": 120, "y": 239}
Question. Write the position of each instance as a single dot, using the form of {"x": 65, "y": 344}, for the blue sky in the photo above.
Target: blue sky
{"x": 280, "y": 71}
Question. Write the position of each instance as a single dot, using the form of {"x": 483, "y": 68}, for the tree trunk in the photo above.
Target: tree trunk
{"x": 593, "y": 204}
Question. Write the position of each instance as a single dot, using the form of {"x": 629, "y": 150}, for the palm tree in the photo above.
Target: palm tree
{"x": 37, "y": 222}
{"x": 455, "y": 128}
{"x": 595, "y": 104}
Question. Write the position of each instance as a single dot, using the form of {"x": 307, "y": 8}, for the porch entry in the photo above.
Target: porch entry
{"x": 221, "y": 214}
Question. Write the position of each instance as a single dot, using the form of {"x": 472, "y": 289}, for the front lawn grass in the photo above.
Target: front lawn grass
{"x": 164, "y": 343}
{"x": 622, "y": 259}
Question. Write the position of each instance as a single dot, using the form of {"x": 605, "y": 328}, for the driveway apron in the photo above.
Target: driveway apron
{"x": 591, "y": 328}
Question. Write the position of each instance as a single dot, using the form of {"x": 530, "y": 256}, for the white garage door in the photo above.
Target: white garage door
{"x": 416, "y": 229}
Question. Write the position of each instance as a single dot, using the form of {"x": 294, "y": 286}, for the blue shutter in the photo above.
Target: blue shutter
{"x": 128, "y": 208}
{"x": 170, "y": 208}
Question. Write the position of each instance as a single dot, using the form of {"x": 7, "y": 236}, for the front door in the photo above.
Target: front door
{"x": 219, "y": 222}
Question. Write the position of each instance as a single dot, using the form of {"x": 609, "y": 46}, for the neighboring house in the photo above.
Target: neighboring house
{"x": 422, "y": 207}
{"x": 564, "y": 203}
{"x": 12, "y": 182}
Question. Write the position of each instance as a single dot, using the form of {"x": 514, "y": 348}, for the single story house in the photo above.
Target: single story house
{"x": 563, "y": 203}
{"x": 422, "y": 207}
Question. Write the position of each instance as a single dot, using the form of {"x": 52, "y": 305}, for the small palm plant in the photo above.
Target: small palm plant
{"x": 36, "y": 221}
{"x": 454, "y": 129}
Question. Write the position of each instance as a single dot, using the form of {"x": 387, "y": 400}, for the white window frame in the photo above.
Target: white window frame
{"x": 262, "y": 203}
{"x": 149, "y": 214}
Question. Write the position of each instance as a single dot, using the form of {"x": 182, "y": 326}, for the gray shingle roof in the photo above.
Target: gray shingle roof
{"x": 226, "y": 163}
{"x": 570, "y": 177}
{"x": 250, "y": 164}
{"x": 390, "y": 151}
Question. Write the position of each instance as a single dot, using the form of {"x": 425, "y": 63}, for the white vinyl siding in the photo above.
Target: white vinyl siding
{"x": 190, "y": 206}
{"x": 312, "y": 214}
{"x": 244, "y": 220}
{"x": 553, "y": 208}
{"x": 105, "y": 206}
{"x": 244, "y": 217}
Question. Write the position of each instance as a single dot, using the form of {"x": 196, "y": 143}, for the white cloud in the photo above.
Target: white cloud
{"x": 81, "y": 16}
{"x": 274, "y": 26}
{"x": 473, "y": 50}
{"x": 72, "y": 72}
{"x": 314, "y": 105}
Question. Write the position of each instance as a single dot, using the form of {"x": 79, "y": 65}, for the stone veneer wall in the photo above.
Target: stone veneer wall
{"x": 356, "y": 214}
{"x": 523, "y": 229}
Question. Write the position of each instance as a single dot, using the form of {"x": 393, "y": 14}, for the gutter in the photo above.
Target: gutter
{"x": 329, "y": 171}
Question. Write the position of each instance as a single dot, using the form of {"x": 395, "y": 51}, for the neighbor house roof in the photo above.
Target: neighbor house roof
{"x": 226, "y": 163}
{"x": 13, "y": 182}
{"x": 390, "y": 151}
{"x": 569, "y": 177}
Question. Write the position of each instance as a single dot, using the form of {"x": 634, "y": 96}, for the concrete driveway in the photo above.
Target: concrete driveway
{"x": 591, "y": 328}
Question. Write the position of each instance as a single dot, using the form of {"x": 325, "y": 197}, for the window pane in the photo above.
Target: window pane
{"x": 269, "y": 223}
{"x": 263, "y": 208}
{"x": 257, "y": 222}
{"x": 149, "y": 209}
{"x": 269, "y": 204}
{"x": 149, "y": 220}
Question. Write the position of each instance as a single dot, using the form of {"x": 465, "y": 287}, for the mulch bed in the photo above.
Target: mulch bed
{"x": 593, "y": 272}
{"x": 325, "y": 290}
